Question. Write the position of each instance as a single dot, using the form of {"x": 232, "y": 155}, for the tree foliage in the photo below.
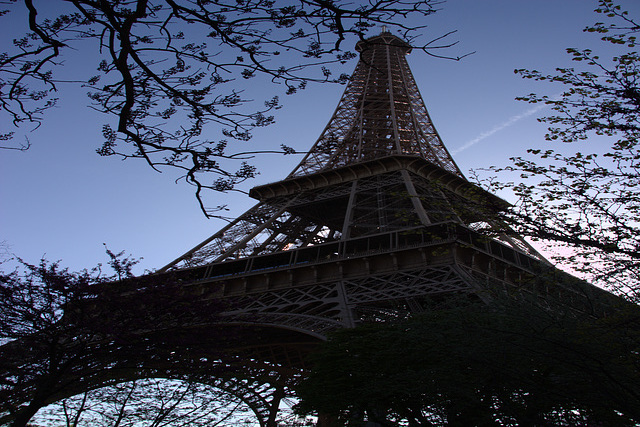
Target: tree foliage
{"x": 63, "y": 332}
{"x": 481, "y": 366}
{"x": 34, "y": 300}
{"x": 167, "y": 72}
{"x": 586, "y": 195}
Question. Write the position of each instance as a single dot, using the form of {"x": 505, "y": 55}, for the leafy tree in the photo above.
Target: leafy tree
{"x": 63, "y": 333}
{"x": 168, "y": 71}
{"x": 482, "y": 366}
{"x": 588, "y": 198}
{"x": 34, "y": 300}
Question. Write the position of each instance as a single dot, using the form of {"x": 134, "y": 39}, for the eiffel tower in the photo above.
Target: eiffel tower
{"x": 375, "y": 223}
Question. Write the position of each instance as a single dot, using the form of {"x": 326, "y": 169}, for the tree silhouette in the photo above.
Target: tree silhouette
{"x": 153, "y": 402}
{"x": 507, "y": 363}
{"x": 63, "y": 333}
{"x": 588, "y": 199}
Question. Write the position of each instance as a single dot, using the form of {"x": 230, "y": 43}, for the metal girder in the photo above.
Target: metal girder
{"x": 318, "y": 308}
{"x": 110, "y": 363}
{"x": 380, "y": 113}
{"x": 376, "y": 203}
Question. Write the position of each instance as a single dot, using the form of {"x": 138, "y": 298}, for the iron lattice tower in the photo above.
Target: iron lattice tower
{"x": 378, "y": 181}
{"x": 378, "y": 166}
{"x": 376, "y": 222}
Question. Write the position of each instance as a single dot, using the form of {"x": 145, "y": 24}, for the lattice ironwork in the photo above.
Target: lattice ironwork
{"x": 322, "y": 307}
{"x": 374, "y": 222}
{"x": 381, "y": 113}
{"x": 348, "y": 209}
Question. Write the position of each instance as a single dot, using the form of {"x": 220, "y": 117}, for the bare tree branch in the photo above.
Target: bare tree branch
{"x": 171, "y": 72}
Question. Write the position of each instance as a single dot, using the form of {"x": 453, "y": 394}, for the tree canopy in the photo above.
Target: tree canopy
{"x": 168, "y": 72}
{"x": 483, "y": 365}
{"x": 64, "y": 333}
{"x": 585, "y": 194}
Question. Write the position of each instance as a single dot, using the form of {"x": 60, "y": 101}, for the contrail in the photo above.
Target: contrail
{"x": 499, "y": 127}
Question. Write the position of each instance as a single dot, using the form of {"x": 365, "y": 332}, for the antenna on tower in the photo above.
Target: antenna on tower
{"x": 384, "y": 29}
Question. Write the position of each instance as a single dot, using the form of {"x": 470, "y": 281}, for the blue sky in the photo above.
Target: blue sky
{"x": 61, "y": 200}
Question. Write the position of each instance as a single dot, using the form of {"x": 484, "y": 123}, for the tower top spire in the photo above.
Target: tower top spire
{"x": 380, "y": 114}
{"x": 385, "y": 38}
